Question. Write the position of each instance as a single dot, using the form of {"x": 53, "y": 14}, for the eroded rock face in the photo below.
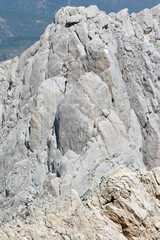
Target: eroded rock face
{"x": 77, "y": 105}
{"x": 123, "y": 206}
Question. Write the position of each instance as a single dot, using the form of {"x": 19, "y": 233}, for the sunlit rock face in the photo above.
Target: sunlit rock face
{"x": 79, "y": 104}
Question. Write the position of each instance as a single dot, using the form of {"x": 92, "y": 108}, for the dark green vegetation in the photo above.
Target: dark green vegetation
{"x": 47, "y": 7}
{"x": 19, "y": 31}
{"x": 23, "y": 21}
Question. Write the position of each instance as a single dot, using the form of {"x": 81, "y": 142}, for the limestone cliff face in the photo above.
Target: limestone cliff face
{"x": 80, "y": 104}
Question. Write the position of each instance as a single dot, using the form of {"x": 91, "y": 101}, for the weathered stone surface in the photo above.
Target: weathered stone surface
{"x": 124, "y": 18}
{"x": 146, "y": 21}
{"x": 123, "y": 206}
{"x": 77, "y": 105}
{"x": 76, "y": 116}
{"x": 92, "y": 11}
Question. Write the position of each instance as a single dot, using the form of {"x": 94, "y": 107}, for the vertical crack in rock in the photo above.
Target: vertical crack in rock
{"x": 56, "y": 128}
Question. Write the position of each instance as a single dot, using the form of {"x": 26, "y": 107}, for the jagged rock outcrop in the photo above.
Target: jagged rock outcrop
{"x": 78, "y": 105}
{"x": 123, "y": 206}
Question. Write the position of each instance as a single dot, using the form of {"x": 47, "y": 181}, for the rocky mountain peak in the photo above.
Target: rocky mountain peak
{"x": 71, "y": 15}
{"x": 80, "y": 110}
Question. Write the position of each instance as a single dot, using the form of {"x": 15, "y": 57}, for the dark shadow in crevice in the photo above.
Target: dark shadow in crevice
{"x": 58, "y": 174}
{"x": 7, "y": 193}
{"x": 27, "y": 145}
{"x": 68, "y": 25}
{"x": 105, "y": 26}
{"x": 56, "y": 127}
{"x": 112, "y": 199}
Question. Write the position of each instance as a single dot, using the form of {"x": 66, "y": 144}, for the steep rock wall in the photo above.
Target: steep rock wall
{"x": 78, "y": 104}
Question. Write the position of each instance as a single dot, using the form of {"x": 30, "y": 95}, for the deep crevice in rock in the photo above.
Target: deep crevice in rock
{"x": 105, "y": 26}
{"x": 81, "y": 42}
{"x": 27, "y": 145}
{"x": 7, "y": 193}
{"x": 68, "y": 25}
{"x": 112, "y": 199}
{"x": 50, "y": 164}
{"x": 58, "y": 174}
{"x": 56, "y": 128}
{"x": 29, "y": 130}
{"x": 48, "y": 160}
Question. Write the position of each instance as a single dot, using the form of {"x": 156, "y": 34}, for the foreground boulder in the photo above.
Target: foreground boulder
{"x": 123, "y": 206}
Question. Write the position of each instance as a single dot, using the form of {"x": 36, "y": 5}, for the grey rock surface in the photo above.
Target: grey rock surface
{"x": 124, "y": 205}
{"x": 78, "y": 104}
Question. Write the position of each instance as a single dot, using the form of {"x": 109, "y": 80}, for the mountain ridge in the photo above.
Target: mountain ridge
{"x": 80, "y": 129}
{"x": 22, "y": 15}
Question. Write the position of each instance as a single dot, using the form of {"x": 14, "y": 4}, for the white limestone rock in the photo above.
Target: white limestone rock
{"x": 146, "y": 21}
{"x": 92, "y": 11}
{"x": 77, "y": 105}
{"x": 124, "y": 18}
